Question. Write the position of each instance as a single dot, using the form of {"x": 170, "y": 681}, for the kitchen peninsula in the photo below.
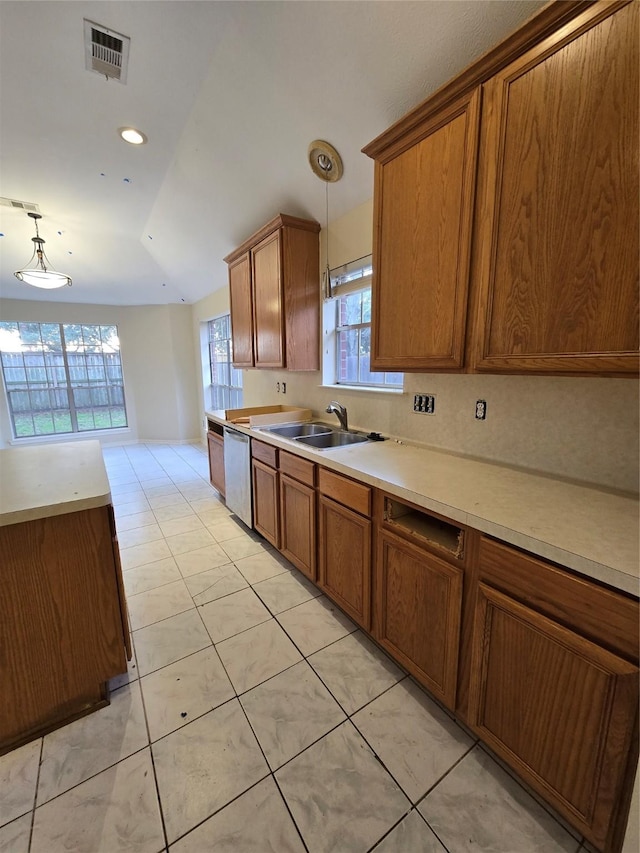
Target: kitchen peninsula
{"x": 63, "y": 618}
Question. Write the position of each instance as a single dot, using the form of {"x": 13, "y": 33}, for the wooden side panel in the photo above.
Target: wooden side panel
{"x": 216, "y": 461}
{"x": 558, "y": 217}
{"x": 241, "y": 302}
{"x": 560, "y": 709}
{"x": 266, "y": 509}
{"x": 419, "y": 603}
{"x": 345, "y": 491}
{"x": 298, "y": 525}
{"x": 345, "y": 559}
{"x": 122, "y": 597}
{"x": 61, "y": 632}
{"x": 301, "y": 283}
{"x": 266, "y": 270}
{"x": 422, "y": 242}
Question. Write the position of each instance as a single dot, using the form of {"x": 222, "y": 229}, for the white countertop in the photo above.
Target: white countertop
{"x": 592, "y": 531}
{"x": 53, "y": 479}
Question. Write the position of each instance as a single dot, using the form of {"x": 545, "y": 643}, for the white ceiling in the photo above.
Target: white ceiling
{"x": 230, "y": 95}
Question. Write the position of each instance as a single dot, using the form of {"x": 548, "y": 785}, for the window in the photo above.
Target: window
{"x": 226, "y": 381}
{"x": 351, "y": 287}
{"x": 62, "y": 378}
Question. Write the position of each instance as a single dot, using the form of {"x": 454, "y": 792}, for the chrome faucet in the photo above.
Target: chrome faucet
{"x": 340, "y": 412}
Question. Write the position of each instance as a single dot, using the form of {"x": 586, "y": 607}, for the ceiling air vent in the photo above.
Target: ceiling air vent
{"x": 19, "y": 205}
{"x": 106, "y": 52}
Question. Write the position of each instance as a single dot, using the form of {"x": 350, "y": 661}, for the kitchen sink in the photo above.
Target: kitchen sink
{"x": 296, "y": 430}
{"x": 336, "y": 438}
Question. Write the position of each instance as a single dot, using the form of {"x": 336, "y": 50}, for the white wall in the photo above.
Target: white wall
{"x": 582, "y": 428}
{"x": 156, "y": 345}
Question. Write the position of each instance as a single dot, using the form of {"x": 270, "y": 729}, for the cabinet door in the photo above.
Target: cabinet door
{"x": 419, "y": 601}
{"x": 424, "y": 196}
{"x": 266, "y": 510}
{"x": 558, "y": 209}
{"x": 241, "y": 303}
{"x": 216, "y": 461}
{"x": 345, "y": 559}
{"x": 557, "y": 707}
{"x": 298, "y": 525}
{"x": 63, "y": 631}
{"x": 266, "y": 270}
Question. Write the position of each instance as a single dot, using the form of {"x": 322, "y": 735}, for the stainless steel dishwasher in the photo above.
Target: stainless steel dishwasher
{"x": 237, "y": 474}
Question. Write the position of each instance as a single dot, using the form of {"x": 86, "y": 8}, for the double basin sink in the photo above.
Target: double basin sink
{"x": 318, "y": 435}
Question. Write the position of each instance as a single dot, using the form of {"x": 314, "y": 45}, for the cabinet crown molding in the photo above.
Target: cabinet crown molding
{"x": 279, "y": 221}
{"x": 546, "y": 22}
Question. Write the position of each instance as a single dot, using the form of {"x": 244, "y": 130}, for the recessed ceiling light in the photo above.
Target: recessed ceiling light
{"x": 131, "y": 135}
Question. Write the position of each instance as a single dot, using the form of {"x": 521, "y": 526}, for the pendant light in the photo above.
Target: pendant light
{"x": 326, "y": 164}
{"x": 38, "y": 272}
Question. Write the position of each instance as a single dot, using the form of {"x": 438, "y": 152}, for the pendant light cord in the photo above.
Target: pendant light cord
{"x": 327, "y": 288}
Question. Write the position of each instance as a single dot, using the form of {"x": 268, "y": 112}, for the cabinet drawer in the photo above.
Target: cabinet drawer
{"x": 354, "y": 495}
{"x": 264, "y": 452}
{"x": 600, "y": 614}
{"x": 298, "y": 468}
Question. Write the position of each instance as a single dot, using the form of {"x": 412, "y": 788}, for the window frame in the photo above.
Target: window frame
{"x": 346, "y": 281}
{"x": 68, "y": 372}
{"x": 222, "y": 395}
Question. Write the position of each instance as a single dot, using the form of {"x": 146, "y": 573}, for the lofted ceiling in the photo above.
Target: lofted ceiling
{"x": 230, "y": 94}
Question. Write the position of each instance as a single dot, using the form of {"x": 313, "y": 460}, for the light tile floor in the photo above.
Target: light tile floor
{"x": 255, "y": 716}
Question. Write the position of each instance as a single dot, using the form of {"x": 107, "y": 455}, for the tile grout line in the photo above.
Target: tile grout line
{"x": 35, "y": 795}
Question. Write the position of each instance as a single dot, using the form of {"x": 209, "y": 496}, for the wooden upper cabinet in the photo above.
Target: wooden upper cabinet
{"x": 557, "y": 224}
{"x": 267, "y": 303}
{"x": 506, "y": 219}
{"x": 275, "y": 296}
{"x": 424, "y": 193}
{"x": 241, "y": 311}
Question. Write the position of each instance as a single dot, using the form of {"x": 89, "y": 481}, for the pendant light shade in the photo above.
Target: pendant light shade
{"x": 38, "y": 273}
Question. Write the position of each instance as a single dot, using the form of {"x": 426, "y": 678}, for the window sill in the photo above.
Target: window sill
{"x": 369, "y": 389}
{"x": 69, "y": 436}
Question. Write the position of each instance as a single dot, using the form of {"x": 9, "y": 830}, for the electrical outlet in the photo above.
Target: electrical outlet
{"x": 425, "y": 404}
{"x": 481, "y": 410}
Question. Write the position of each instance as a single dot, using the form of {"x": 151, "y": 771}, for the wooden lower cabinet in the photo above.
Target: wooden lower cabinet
{"x": 557, "y": 705}
{"x": 266, "y": 507}
{"x": 345, "y": 559}
{"x": 284, "y": 504}
{"x": 64, "y": 630}
{"x": 298, "y": 525}
{"x": 419, "y": 603}
{"x": 216, "y": 461}
{"x": 542, "y": 664}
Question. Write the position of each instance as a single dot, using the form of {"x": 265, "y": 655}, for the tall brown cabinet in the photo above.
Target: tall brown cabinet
{"x": 275, "y": 296}
{"x": 506, "y": 207}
